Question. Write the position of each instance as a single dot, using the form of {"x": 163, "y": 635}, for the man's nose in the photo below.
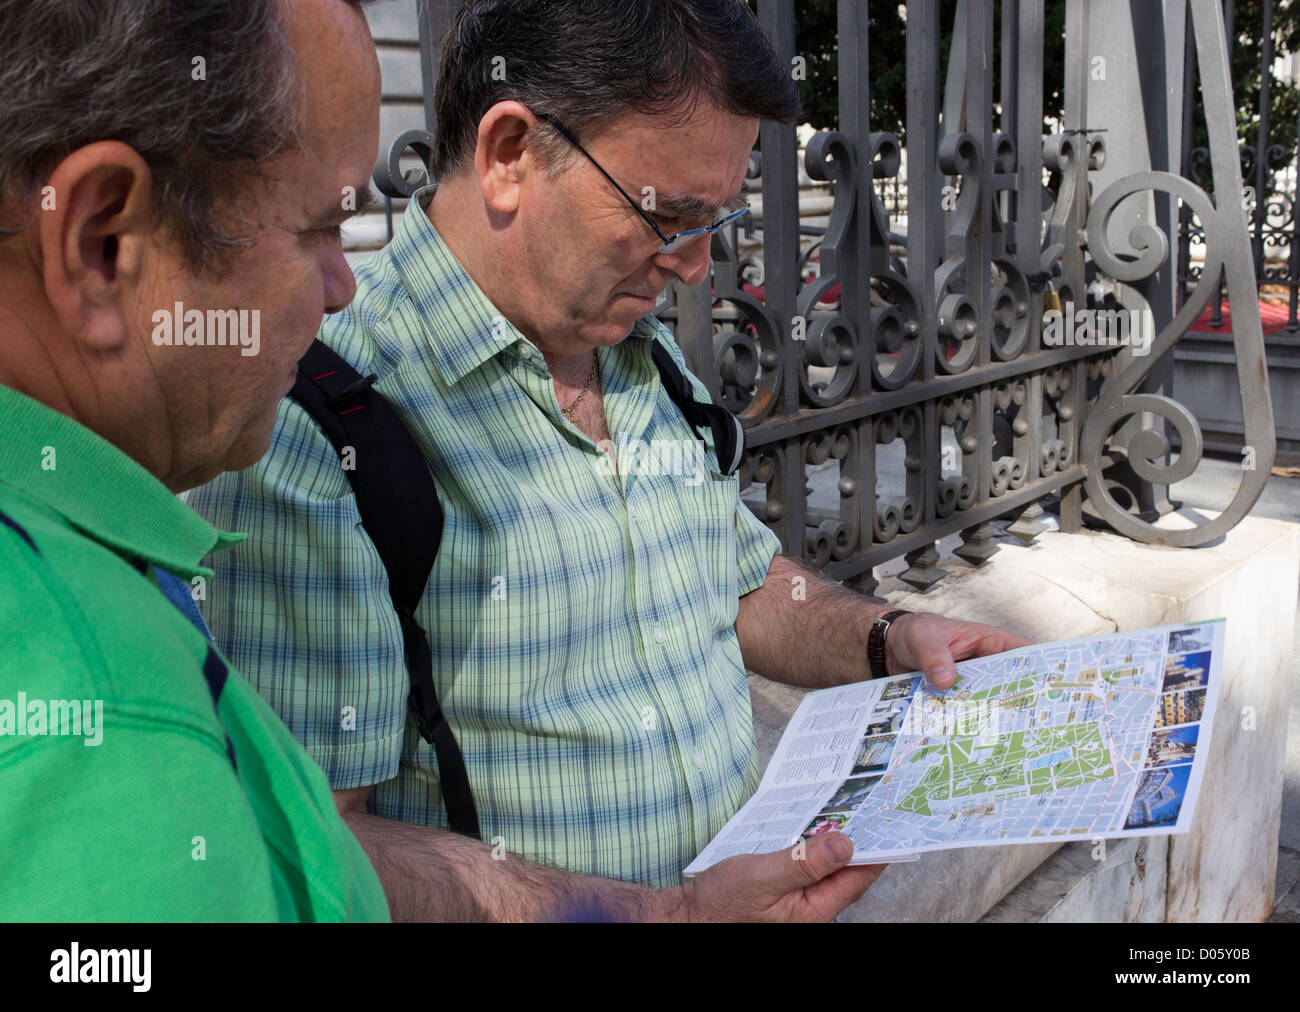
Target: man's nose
{"x": 340, "y": 283}
{"x": 691, "y": 262}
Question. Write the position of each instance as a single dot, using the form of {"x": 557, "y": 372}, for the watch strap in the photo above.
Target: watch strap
{"x": 876, "y": 642}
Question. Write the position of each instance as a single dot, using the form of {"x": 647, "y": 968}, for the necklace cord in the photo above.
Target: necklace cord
{"x": 568, "y": 412}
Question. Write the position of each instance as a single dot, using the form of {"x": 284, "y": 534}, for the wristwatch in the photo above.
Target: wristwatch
{"x": 876, "y": 642}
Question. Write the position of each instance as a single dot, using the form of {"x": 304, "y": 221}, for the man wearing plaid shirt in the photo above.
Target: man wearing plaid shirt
{"x": 590, "y": 618}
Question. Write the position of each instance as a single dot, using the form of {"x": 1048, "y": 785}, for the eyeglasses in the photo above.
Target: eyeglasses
{"x": 669, "y": 243}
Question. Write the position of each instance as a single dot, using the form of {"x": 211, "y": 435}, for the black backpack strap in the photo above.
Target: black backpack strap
{"x": 728, "y": 433}
{"x": 399, "y": 508}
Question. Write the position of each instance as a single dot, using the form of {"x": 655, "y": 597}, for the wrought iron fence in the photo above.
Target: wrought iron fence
{"x": 1271, "y": 171}
{"x": 919, "y": 362}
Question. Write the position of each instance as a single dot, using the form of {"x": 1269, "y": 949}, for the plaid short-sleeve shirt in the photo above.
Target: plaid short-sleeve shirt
{"x": 581, "y": 621}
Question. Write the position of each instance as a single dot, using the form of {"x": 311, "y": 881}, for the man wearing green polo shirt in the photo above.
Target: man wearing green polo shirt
{"x": 140, "y": 779}
{"x": 590, "y": 619}
{"x": 156, "y": 291}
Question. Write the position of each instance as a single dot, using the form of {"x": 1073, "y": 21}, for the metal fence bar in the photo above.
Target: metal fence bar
{"x": 1261, "y": 145}
{"x": 435, "y": 19}
{"x": 1271, "y": 202}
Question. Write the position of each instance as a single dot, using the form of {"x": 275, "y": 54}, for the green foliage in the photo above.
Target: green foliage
{"x": 817, "y": 40}
{"x": 1247, "y": 53}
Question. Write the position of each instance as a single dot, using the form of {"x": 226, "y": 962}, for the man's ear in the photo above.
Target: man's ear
{"x": 93, "y": 238}
{"x": 502, "y": 155}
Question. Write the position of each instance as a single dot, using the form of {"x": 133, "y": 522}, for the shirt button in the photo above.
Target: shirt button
{"x": 526, "y": 351}
{"x": 659, "y": 634}
{"x": 699, "y": 760}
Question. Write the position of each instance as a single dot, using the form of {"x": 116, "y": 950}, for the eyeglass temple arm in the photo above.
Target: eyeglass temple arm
{"x": 613, "y": 182}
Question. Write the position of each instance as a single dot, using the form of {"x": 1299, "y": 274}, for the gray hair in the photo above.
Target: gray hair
{"x": 204, "y": 91}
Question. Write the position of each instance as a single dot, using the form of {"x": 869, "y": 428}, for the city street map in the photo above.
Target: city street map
{"x": 1102, "y": 737}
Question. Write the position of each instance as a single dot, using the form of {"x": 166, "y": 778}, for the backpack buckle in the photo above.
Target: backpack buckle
{"x": 354, "y": 388}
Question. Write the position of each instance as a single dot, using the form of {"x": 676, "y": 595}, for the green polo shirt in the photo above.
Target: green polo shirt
{"x": 140, "y": 778}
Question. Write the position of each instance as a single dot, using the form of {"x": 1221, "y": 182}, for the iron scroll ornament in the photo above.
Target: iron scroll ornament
{"x": 388, "y": 175}
{"x": 888, "y": 355}
{"x": 831, "y": 341}
{"x": 1228, "y": 255}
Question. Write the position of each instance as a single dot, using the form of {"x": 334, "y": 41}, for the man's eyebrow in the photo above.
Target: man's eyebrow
{"x": 359, "y": 203}
{"x": 740, "y": 199}
{"x": 692, "y": 207}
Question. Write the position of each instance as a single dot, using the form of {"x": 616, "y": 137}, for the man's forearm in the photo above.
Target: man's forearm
{"x": 805, "y": 630}
{"x": 434, "y": 875}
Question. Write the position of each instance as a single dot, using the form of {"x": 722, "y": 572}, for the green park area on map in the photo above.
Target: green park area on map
{"x": 967, "y": 766}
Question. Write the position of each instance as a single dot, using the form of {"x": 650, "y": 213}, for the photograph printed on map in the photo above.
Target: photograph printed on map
{"x": 874, "y": 753}
{"x": 1186, "y": 671}
{"x": 902, "y": 688}
{"x": 1186, "y": 641}
{"x": 851, "y": 793}
{"x": 887, "y": 717}
{"x": 1159, "y": 797}
{"x": 826, "y": 822}
{"x": 1178, "y": 745}
{"x": 1186, "y": 706}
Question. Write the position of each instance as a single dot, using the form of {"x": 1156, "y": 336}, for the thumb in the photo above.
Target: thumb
{"x": 807, "y": 862}
{"x": 815, "y": 883}
{"x": 936, "y": 662}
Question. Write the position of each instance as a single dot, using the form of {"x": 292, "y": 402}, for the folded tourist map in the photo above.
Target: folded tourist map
{"x": 1101, "y": 737}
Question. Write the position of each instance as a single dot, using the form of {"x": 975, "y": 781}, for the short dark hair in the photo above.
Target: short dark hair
{"x": 587, "y": 62}
{"x": 73, "y": 72}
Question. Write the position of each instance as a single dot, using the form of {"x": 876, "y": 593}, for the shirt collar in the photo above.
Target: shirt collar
{"x": 475, "y": 331}
{"x": 99, "y": 490}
